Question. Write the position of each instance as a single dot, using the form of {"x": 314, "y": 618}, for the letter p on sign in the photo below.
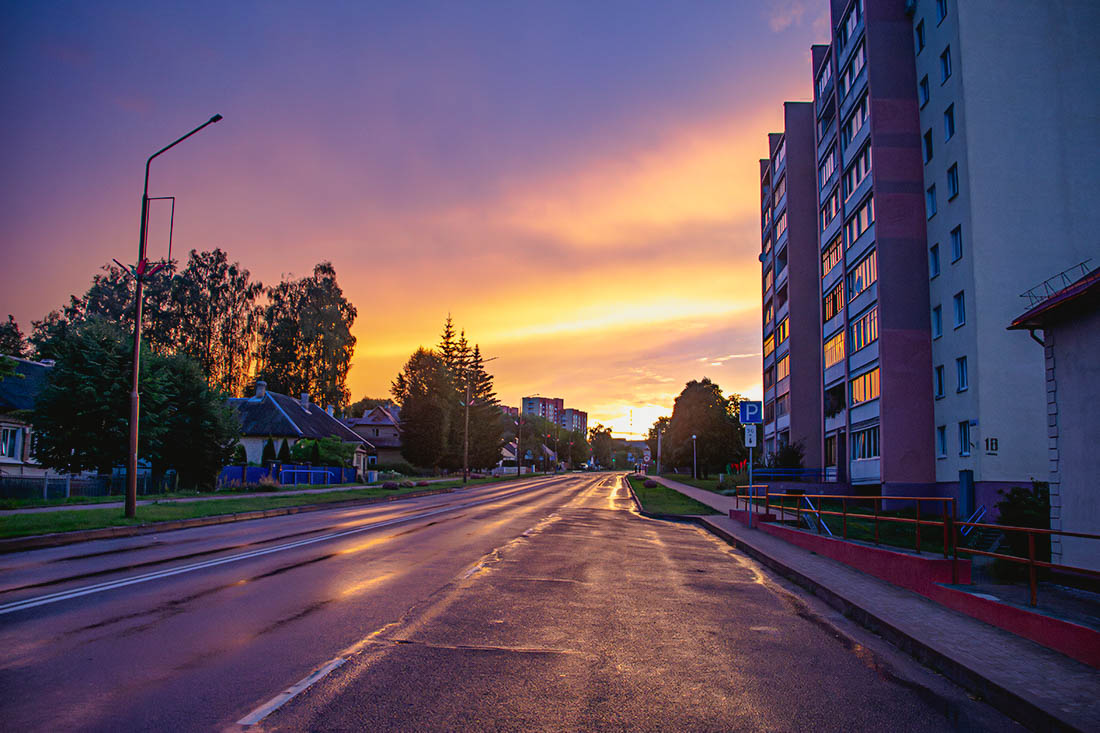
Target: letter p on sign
{"x": 751, "y": 412}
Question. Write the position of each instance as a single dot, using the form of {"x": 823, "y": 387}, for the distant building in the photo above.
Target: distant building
{"x": 575, "y": 420}
{"x": 513, "y": 411}
{"x": 17, "y": 396}
{"x": 282, "y": 419}
{"x": 545, "y": 407}
{"x": 381, "y": 427}
{"x": 1070, "y": 322}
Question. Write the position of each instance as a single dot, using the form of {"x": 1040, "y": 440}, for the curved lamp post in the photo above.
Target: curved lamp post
{"x": 140, "y": 272}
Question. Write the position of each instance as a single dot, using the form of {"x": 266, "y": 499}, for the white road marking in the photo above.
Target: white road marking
{"x": 290, "y": 693}
{"x": 26, "y": 603}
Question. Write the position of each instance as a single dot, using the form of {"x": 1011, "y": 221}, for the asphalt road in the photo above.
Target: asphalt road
{"x": 543, "y": 604}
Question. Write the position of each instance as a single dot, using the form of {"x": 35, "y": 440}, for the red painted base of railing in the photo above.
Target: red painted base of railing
{"x": 930, "y": 576}
{"x": 750, "y": 519}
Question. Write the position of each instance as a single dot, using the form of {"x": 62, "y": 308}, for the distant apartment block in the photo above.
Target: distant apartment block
{"x": 554, "y": 410}
{"x": 936, "y": 203}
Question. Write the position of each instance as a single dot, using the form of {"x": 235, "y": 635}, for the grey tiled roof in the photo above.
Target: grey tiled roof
{"x": 279, "y": 416}
{"x": 20, "y": 394}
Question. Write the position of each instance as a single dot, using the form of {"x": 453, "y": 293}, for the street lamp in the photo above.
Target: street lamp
{"x": 140, "y": 272}
{"x": 694, "y": 459}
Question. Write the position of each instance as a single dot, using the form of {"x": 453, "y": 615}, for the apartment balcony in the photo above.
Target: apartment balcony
{"x": 852, "y": 96}
{"x": 834, "y": 373}
{"x": 832, "y": 277}
{"x": 861, "y": 245}
{"x": 864, "y": 300}
{"x": 855, "y": 144}
{"x": 864, "y": 471}
{"x": 863, "y": 357}
{"x": 863, "y": 412}
{"x": 827, "y": 141}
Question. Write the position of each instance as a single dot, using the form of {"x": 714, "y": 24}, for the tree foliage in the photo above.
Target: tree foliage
{"x": 306, "y": 343}
{"x": 12, "y": 342}
{"x": 599, "y": 438}
{"x": 422, "y": 388}
{"x": 81, "y": 416}
{"x": 323, "y": 452}
{"x": 359, "y": 408}
{"x": 701, "y": 410}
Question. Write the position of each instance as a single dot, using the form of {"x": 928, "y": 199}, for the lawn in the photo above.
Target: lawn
{"x": 21, "y": 525}
{"x": 710, "y": 484}
{"x": 85, "y": 500}
{"x": 663, "y": 500}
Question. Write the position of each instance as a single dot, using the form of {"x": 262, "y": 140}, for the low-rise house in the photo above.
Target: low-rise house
{"x": 1070, "y": 322}
{"x": 381, "y": 426}
{"x": 283, "y": 419}
{"x": 17, "y": 395}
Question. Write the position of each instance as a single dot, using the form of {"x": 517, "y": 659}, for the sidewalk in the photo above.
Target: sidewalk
{"x": 1038, "y": 686}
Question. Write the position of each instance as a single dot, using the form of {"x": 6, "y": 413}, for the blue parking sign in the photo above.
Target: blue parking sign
{"x": 751, "y": 412}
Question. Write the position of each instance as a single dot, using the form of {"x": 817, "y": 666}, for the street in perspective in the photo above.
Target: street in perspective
{"x": 569, "y": 366}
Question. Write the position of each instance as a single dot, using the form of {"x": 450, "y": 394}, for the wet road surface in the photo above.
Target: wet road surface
{"x": 543, "y": 604}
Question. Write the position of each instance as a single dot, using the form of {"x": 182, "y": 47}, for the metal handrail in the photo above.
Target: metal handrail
{"x": 977, "y": 516}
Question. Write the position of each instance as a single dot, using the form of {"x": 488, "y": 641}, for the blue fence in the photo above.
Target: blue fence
{"x": 793, "y": 474}
{"x": 286, "y": 474}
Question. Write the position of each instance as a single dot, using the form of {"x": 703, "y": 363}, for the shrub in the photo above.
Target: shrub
{"x": 407, "y": 484}
{"x": 390, "y": 486}
{"x": 650, "y": 484}
{"x": 422, "y": 483}
{"x": 477, "y": 475}
{"x": 1022, "y": 507}
{"x": 269, "y": 481}
{"x": 400, "y": 467}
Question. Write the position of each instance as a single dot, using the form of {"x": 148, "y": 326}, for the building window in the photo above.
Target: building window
{"x": 767, "y": 245}
{"x": 830, "y": 450}
{"x": 828, "y": 165}
{"x": 937, "y": 322}
{"x": 861, "y": 221}
{"x": 928, "y": 147}
{"x": 851, "y": 70}
{"x": 941, "y": 10}
{"x": 865, "y": 387}
{"x": 768, "y": 279}
{"x": 769, "y": 377}
{"x": 945, "y": 65}
{"x": 956, "y": 243}
{"x": 941, "y": 441}
{"x": 964, "y": 438}
{"x": 863, "y": 275}
{"x": 831, "y": 209}
{"x": 782, "y": 405}
{"x": 960, "y": 374}
{"x": 865, "y": 444}
{"x": 781, "y": 225}
{"x": 930, "y": 200}
{"x": 865, "y": 329}
{"x": 825, "y": 78}
{"x": 780, "y": 189}
{"x": 782, "y": 331}
{"x": 924, "y": 91}
{"x": 832, "y": 255}
{"x": 834, "y": 301}
{"x": 960, "y": 309}
{"x": 857, "y": 172}
{"x": 937, "y": 381}
{"x": 919, "y": 32}
{"x": 933, "y": 261}
{"x": 765, "y": 218}
{"x": 768, "y": 312}
{"x": 783, "y": 368}
{"x": 9, "y": 442}
{"x": 780, "y": 155}
{"x": 953, "y": 181}
{"x": 851, "y": 21}
{"x": 949, "y": 123}
{"x": 769, "y": 412}
{"x": 769, "y": 345}
{"x": 854, "y": 123}
{"x": 834, "y": 349}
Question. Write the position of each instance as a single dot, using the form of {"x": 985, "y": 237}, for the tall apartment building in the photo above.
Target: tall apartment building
{"x": 791, "y": 326}
{"x": 956, "y": 154}
{"x": 873, "y": 391}
{"x": 1010, "y": 140}
{"x": 546, "y": 407}
{"x": 575, "y": 420}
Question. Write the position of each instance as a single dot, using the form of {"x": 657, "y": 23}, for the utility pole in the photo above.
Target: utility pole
{"x": 466, "y": 434}
{"x": 659, "y": 434}
{"x": 694, "y": 460}
{"x": 141, "y": 271}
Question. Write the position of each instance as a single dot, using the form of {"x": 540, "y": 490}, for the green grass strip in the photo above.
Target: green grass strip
{"x": 663, "y": 500}
{"x": 22, "y": 525}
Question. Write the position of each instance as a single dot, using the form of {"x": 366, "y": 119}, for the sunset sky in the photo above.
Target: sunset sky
{"x": 575, "y": 182}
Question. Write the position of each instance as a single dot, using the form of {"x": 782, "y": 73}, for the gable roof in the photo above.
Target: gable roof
{"x": 279, "y": 416}
{"x": 376, "y": 417}
{"x": 20, "y": 393}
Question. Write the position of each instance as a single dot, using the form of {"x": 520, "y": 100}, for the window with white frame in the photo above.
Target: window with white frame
{"x": 949, "y": 122}
{"x": 855, "y": 121}
{"x": 834, "y": 349}
{"x": 933, "y": 261}
{"x": 9, "y": 442}
{"x": 941, "y": 441}
{"x": 961, "y": 377}
{"x": 865, "y": 444}
{"x": 937, "y": 322}
{"x": 957, "y": 243}
{"x": 964, "y": 437}
{"x": 937, "y": 381}
{"x": 865, "y": 329}
{"x": 960, "y": 309}
{"x": 828, "y": 165}
{"x": 953, "y": 181}
{"x": 930, "y": 201}
{"x": 857, "y": 171}
{"x": 861, "y": 221}
{"x": 918, "y": 34}
{"x": 945, "y": 65}
{"x": 863, "y": 275}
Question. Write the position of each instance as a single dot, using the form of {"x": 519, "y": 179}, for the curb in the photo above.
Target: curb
{"x": 681, "y": 518}
{"x": 59, "y": 539}
{"x": 995, "y": 695}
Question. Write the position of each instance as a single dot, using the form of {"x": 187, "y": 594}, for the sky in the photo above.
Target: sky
{"x": 576, "y": 183}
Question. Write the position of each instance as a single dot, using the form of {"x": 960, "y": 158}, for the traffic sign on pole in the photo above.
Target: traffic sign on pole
{"x": 751, "y": 412}
{"x": 750, "y": 436}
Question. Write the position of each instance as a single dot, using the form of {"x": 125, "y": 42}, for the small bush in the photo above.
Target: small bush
{"x": 400, "y": 467}
{"x": 650, "y": 484}
{"x": 422, "y": 483}
{"x": 407, "y": 484}
{"x": 390, "y": 486}
{"x": 477, "y": 475}
{"x": 269, "y": 481}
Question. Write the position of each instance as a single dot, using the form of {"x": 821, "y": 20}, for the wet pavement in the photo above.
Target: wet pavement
{"x": 543, "y": 604}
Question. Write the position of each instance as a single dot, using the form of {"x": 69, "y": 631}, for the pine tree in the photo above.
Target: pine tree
{"x": 12, "y": 342}
{"x": 269, "y": 451}
{"x": 284, "y": 453}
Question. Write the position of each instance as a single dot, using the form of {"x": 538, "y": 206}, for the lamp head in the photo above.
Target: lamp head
{"x": 216, "y": 118}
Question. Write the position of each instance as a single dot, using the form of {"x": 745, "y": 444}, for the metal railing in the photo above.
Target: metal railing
{"x": 944, "y": 521}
